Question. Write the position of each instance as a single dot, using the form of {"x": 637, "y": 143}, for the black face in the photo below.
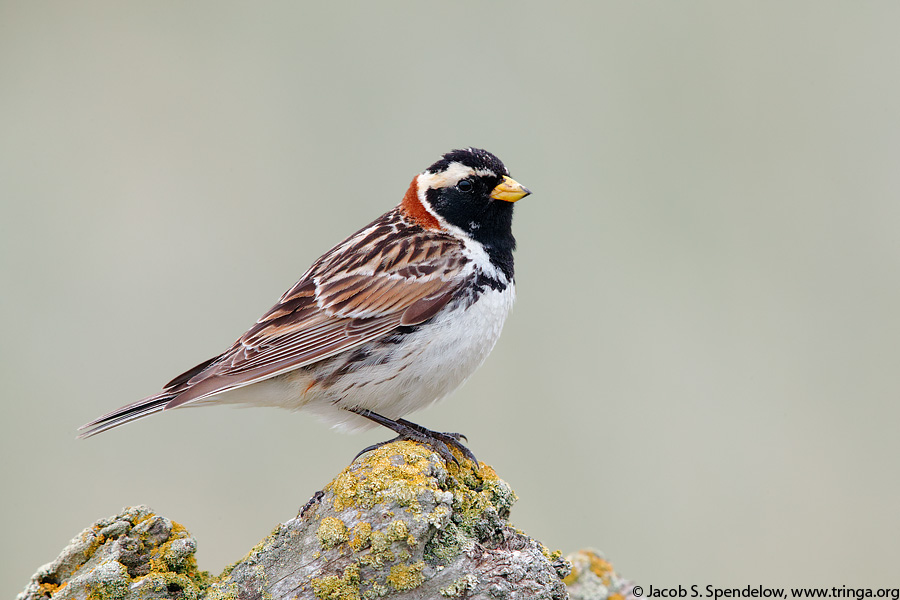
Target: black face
{"x": 468, "y": 204}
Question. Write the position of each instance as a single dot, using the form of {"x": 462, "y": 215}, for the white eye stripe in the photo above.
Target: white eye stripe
{"x": 453, "y": 174}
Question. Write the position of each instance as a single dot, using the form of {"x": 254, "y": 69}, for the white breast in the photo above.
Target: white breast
{"x": 429, "y": 364}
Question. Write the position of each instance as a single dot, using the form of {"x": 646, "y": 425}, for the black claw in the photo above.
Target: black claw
{"x": 441, "y": 448}
{"x": 376, "y": 446}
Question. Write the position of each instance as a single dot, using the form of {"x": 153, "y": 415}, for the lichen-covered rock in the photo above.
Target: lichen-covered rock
{"x": 135, "y": 555}
{"x": 397, "y": 523}
{"x": 593, "y": 578}
{"x": 400, "y": 523}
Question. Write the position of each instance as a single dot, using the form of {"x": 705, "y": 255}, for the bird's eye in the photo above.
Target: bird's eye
{"x": 465, "y": 186}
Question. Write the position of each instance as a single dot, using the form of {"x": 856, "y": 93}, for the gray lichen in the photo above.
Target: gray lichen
{"x": 593, "y": 578}
{"x": 396, "y": 523}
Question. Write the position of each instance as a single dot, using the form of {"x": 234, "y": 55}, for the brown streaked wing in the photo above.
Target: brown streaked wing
{"x": 364, "y": 296}
{"x": 404, "y": 277}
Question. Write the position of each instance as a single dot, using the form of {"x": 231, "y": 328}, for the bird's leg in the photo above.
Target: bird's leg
{"x": 405, "y": 430}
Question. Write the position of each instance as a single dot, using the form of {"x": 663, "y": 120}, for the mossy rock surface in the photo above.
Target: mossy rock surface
{"x": 397, "y": 523}
{"x": 135, "y": 555}
{"x": 400, "y": 523}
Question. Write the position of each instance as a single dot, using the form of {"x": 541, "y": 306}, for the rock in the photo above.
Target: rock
{"x": 399, "y": 523}
{"x": 396, "y": 523}
{"x": 134, "y": 555}
{"x": 593, "y": 578}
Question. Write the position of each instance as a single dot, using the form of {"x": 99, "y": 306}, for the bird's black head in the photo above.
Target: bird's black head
{"x": 471, "y": 190}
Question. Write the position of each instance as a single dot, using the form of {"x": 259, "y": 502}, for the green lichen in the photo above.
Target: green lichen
{"x": 110, "y": 581}
{"x": 219, "y": 592}
{"x": 406, "y": 577}
{"x": 380, "y": 543}
{"x": 380, "y": 551}
{"x": 397, "y": 530}
{"x": 376, "y": 591}
{"x": 332, "y": 532}
{"x": 459, "y": 587}
{"x": 447, "y": 544}
{"x": 168, "y": 585}
{"x": 333, "y": 587}
{"x": 481, "y": 504}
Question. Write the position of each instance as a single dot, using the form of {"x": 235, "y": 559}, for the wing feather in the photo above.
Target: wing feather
{"x": 388, "y": 275}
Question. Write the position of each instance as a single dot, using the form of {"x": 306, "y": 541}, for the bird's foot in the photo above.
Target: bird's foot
{"x": 448, "y": 438}
{"x": 438, "y": 441}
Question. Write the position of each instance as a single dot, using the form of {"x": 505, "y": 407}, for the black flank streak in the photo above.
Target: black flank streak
{"x": 483, "y": 281}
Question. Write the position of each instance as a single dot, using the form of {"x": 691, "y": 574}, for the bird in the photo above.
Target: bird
{"x": 389, "y": 321}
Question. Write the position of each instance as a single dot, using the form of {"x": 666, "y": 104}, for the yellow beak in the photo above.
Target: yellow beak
{"x": 509, "y": 190}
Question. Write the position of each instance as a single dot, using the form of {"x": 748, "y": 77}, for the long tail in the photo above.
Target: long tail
{"x": 127, "y": 414}
{"x": 147, "y": 406}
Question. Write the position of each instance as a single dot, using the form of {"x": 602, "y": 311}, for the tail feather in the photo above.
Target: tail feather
{"x": 126, "y": 414}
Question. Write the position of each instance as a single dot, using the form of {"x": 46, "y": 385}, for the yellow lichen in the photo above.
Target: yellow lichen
{"x": 174, "y": 565}
{"x": 380, "y": 551}
{"x": 380, "y": 542}
{"x": 589, "y": 560}
{"x": 406, "y": 577}
{"x": 601, "y": 567}
{"x": 333, "y": 587}
{"x": 48, "y": 589}
{"x": 397, "y": 530}
{"x": 551, "y": 556}
{"x": 331, "y": 532}
{"x": 362, "y": 483}
{"x": 362, "y": 534}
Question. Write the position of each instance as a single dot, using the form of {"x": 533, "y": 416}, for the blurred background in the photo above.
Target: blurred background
{"x": 700, "y": 377}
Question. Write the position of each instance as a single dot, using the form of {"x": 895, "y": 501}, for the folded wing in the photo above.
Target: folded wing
{"x": 388, "y": 275}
